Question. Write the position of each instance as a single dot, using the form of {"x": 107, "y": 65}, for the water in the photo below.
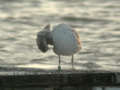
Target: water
{"x": 97, "y": 21}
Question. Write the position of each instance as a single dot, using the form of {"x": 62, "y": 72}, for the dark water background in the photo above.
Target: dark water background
{"x": 97, "y": 21}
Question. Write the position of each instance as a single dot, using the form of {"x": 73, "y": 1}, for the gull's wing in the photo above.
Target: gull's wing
{"x": 41, "y": 42}
{"x": 77, "y": 38}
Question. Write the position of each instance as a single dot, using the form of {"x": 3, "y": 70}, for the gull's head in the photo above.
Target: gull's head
{"x": 42, "y": 42}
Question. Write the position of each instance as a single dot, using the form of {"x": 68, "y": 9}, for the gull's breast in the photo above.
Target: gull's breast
{"x": 66, "y": 41}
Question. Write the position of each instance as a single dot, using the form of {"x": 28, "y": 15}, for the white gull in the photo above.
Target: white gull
{"x": 64, "y": 39}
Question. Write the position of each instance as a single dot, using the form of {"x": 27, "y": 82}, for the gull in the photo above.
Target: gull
{"x": 64, "y": 39}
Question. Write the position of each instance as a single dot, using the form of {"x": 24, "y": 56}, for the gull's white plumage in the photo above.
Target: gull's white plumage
{"x": 64, "y": 39}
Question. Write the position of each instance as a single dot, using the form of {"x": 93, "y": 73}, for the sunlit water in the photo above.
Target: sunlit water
{"x": 97, "y": 21}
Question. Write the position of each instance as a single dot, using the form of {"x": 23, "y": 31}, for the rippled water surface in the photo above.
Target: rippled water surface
{"x": 97, "y": 21}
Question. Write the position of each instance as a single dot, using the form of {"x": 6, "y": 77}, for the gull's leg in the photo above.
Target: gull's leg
{"x": 103, "y": 88}
{"x": 72, "y": 62}
{"x": 59, "y": 66}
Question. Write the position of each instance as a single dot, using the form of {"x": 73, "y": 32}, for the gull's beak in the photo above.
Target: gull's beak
{"x": 47, "y": 27}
